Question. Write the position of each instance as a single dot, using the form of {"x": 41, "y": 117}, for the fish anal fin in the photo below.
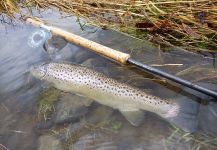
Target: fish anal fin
{"x": 135, "y": 117}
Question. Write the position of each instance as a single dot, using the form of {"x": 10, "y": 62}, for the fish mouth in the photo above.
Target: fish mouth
{"x": 39, "y": 71}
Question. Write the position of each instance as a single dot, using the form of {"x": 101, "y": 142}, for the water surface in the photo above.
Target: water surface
{"x": 98, "y": 127}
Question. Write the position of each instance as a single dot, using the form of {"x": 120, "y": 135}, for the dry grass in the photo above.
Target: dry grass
{"x": 9, "y": 7}
{"x": 189, "y": 24}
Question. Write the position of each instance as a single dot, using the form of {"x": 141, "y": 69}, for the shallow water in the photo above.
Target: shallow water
{"x": 99, "y": 127}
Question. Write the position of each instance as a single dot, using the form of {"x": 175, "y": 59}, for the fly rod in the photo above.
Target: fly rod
{"x": 118, "y": 56}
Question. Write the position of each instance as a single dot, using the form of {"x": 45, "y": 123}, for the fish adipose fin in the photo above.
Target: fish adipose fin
{"x": 135, "y": 117}
{"x": 184, "y": 114}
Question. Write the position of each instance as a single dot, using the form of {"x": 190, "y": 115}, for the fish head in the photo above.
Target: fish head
{"x": 39, "y": 71}
{"x": 61, "y": 76}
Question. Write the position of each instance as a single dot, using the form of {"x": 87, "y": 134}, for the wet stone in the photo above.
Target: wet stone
{"x": 95, "y": 140}
{"x": 70, "y": 107}
{"x": 100, "y": 114}
{"x": 126, "y": 143}
{"x": 48, "y": 142}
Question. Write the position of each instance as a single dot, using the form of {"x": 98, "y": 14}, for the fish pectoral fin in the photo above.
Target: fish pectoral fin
{"x": 85, "y": 101}
{"x": 135, "y": 117}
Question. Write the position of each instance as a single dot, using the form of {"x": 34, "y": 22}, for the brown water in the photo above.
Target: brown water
{"x": 96, "y": 127}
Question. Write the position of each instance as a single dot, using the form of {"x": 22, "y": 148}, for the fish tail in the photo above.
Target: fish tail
{"x": 184, "y": 114}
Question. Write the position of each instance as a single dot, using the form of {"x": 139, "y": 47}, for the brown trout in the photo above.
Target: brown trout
{"x": 130, "y": 101}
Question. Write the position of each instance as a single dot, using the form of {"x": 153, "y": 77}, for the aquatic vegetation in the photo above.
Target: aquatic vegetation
{"x": 116, "y": 125}
{"x": 89, "y": 132}
{"x": 72, "y": 135}
{"x": 198, "y": 141}
{"x": 94, "y": 127}
{"x": 109, "y": 126}
{"x": 46, "y": 102}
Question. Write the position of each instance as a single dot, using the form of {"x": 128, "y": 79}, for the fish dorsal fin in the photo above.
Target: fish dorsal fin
{"x": 135, "y": 116}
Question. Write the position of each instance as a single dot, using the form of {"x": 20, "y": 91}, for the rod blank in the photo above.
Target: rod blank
{"x": 172, "y": 78}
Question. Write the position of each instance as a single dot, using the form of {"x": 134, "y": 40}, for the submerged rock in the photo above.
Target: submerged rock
{"x": 71, "y": 107}
{"x": 48, "y": 142}
{"x": 100, "y": 114}
{"x": 68, "y": 109}
{"x": 93, "y": 141}
{"x": 208, "y": 118}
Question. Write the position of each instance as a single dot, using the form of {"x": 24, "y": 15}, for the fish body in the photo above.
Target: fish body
{"x": 130, "y": 101}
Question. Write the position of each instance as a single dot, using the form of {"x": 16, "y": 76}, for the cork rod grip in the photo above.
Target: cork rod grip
{"x": 78, "y": 40}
